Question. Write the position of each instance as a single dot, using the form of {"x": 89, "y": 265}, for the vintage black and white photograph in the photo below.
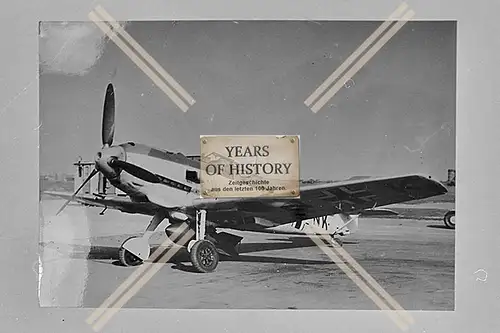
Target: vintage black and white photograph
{"x": 123, "y": 106}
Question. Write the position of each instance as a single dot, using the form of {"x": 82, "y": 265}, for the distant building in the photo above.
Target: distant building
{"x": 69, "y": 178}
{"x": 83, "y": 170}
{"x": 98, "y": 184}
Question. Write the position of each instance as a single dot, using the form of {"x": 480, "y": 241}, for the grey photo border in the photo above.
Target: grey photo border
{"x": 476, "y": 301}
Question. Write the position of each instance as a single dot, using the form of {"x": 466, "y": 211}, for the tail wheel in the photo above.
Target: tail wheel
{"x": 449, "y": 219}
{"x": 127, "y": 258}
{"x": 204, "y": 256}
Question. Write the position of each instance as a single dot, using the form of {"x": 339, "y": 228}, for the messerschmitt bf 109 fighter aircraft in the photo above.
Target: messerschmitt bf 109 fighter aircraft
{"x": 166, "y": 185}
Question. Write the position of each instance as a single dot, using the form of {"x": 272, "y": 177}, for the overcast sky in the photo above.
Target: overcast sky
{"x": 397, "y": 117}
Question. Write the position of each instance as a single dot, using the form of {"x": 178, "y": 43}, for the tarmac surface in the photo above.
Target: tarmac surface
{"x": 412, "y": 259}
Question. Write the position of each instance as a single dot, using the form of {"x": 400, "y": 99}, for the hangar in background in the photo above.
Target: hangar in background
{"x": 98, "y": 185}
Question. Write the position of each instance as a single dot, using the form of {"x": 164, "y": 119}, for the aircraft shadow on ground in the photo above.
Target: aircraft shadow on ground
{"x": 98, "y": 253}
{"x": 437, "y": 226}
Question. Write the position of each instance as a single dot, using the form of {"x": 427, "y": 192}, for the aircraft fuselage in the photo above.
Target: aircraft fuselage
{"x": 181, "y": 174}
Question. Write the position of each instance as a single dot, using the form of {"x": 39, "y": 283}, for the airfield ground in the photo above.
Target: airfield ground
{"x": 411, "y": 257}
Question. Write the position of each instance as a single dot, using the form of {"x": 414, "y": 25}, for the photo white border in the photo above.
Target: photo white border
{"x": 478, "y": 97}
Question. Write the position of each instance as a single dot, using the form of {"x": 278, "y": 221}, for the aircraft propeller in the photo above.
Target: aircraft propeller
{"x": 92, "y": 174}
{"x": 108, "y": 117}
{"x": 108, "y": 132}
{"x": 106, "y": 161}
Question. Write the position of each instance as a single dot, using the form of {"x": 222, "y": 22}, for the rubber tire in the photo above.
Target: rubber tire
{"x": 127, "y": 258}
{"x": 447, "y": 219}
{"x": 196, "y": 258}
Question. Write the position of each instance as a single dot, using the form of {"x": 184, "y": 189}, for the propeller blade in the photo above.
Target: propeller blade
{"x": 92, "y": 174}
{"x": 108, "y": 117}
{"x": 136, "y": 171}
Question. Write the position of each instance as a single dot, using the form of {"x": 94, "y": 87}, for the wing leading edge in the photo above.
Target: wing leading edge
{"x": 349, "y": 197}
{"x": 123, "y": 204}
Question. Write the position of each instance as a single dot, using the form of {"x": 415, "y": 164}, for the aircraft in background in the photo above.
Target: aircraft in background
{"x": 166, "y": 185}
{"x": 449, "y": 219}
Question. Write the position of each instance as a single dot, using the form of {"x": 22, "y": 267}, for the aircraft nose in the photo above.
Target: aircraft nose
{"x": 101, "y": 162}
{"x": 98, "y": 156}
{"x": 104, "y": 161}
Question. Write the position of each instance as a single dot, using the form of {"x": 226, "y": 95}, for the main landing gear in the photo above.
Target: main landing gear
{"x": 203, "y": 253}
{"x": 135, "y": 250}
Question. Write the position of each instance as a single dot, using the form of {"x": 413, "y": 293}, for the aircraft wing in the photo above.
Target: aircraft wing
{"x": 350, "y": 197}
{"x": 122, "y": 203}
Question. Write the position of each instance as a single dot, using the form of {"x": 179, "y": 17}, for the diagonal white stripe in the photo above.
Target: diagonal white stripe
{"x": 364, "y": 59}
{"x": 140, "y": 63}
{"x": 152, "y": 62}
{"x": 137, "y": 286}
{"x": 394, "y": 315}
{"x": 134, "y": 276}
{"x": 322, "y": 88}
{"x": 374, "y": 284}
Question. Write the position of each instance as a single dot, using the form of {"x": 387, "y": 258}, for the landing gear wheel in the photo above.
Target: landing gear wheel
{"x": 204, "y": 256}
{"x": 134, "y": 251}
{"x": 449, "y": 219}
{"x": 127, "y": 258}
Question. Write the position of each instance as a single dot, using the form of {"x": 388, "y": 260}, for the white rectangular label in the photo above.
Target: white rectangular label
{"x": 250, "y": 166}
